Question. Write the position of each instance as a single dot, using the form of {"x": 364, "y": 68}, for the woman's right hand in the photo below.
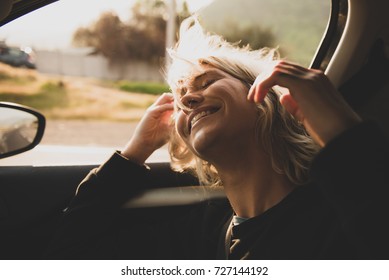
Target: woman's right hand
{"x": 153, "y": 130}
{"x": 310, "y": 97}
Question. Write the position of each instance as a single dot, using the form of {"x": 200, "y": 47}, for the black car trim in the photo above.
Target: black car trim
{"x": 24, "y": 7}
{"x": 332, "y": 35}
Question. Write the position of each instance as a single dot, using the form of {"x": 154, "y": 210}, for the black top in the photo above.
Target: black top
{"x": 342, "y": 214}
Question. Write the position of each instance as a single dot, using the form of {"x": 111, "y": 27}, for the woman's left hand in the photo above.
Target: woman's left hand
{"x": 310, "y": 97}
{"x": 153, "y": 131}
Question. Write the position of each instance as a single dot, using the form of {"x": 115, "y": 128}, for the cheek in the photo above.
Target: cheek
{"x": 181, "y": 124}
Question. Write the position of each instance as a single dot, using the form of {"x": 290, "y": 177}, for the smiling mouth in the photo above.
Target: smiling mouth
{"x": 197, "y": 116}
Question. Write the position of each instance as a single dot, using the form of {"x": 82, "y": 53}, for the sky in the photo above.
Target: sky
{"x": 52, "y": 26}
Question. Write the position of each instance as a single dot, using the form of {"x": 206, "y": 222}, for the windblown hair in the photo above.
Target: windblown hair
{"x": 290, "y": 148}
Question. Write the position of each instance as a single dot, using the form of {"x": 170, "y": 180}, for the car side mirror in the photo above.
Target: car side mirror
{"x": 21, "y": 129}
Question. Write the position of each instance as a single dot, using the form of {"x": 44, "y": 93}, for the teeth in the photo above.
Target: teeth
{"x": 199, "y": 116}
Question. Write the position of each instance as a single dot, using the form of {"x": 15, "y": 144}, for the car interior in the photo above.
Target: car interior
{"x": 353, "y": 53}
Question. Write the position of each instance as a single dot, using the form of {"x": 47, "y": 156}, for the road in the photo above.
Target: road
{"x": 79, "y": 142}
{"x": 88, "y": 133}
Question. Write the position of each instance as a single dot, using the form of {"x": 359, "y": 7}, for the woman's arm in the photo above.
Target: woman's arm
{"x": 89, "y": 224}
{"x": 352, "y": 171}
{"x": 352, "y": 167}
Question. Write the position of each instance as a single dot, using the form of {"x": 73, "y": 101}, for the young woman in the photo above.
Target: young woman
{"x": 253, "y": 125}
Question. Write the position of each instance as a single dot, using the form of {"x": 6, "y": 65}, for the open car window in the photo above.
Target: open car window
{"x": 94, "y": 76}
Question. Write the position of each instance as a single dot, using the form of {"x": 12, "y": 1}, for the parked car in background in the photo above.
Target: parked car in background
{"x": 17, "y": 57}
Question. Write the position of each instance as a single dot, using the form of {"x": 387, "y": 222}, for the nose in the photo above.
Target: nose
{"x": 192, "y": 100}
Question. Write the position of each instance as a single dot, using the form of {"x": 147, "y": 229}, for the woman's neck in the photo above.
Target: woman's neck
{"x": 251, "y": 184}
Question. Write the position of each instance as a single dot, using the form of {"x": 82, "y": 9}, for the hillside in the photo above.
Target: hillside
{"x": 298, "y": 25}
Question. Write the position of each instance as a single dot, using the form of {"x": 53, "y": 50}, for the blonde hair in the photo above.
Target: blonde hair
{"x": 290, "y": 148}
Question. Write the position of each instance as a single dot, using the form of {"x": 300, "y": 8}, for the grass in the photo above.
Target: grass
{"x": 4, "y": 76}
{"x": 77, "y": 98}
{"x": 50, "y": 95}
{"x": 143, "y": 87}
{"x": 132, "y": 105}
{"x": 14, "y": 79}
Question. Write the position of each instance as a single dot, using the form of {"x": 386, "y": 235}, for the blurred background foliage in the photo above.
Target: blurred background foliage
{"x": 142, "y": 37}
{"x": 296, "y": 27}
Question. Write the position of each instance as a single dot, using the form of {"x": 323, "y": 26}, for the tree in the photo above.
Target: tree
{"x": 107, "y": 36}
{"x": 147, "y": 29}
{"x": 141, "y": 38}
{"x": 253, "y": 35}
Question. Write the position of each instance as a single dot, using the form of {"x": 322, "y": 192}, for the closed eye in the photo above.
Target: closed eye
{"x": 207, "y": 83}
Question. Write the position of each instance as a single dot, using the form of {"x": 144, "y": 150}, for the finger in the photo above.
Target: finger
{"x": 265, "y": 81}
{"x": 164, "y": 98}
{"x": 281, "y": 69}
{"x": 283, "y": 76}
{"x": 250, "y": 95}
{"x": 163, "y": 108}
{"x": 262, "y": 86}
{"x": 291, "y": 106}
{"x": 166, "y": 118}
{"x": 291, "y": 65}
{"x": 254, "y": 92}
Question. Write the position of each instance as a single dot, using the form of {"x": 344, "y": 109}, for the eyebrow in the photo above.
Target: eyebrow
{"x": 198, "y": 77}
{"x": 205, "y": 73}
{"x": 195, "y": 81}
